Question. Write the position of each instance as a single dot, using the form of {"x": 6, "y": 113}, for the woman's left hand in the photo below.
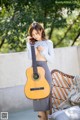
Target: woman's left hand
{"x": 40, "y": 48}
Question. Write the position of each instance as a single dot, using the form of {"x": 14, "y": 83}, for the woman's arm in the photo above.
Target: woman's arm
{"x": 29, "y": 50}
{"x": 50, "y": 54}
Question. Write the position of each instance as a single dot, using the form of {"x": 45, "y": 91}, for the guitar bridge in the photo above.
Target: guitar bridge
{"x": 40, "y": 88}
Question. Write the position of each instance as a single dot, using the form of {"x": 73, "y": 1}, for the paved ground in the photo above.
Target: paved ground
{"x": 23, "y": 115}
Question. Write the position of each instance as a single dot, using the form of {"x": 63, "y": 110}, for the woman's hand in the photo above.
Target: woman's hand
{"x": 40, "y": 48}
{"x": 28, "y": 39}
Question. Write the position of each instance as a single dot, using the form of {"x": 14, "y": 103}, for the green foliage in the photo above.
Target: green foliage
{"x": 56, "y": 15}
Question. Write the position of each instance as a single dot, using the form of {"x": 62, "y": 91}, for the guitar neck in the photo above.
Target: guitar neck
{"x": 33, "y": 59}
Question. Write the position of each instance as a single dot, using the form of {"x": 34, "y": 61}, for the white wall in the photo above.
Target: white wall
{"x": 13, "y": 76}
{"x": 12, "y": 69}
{"x": 67, "y": 60}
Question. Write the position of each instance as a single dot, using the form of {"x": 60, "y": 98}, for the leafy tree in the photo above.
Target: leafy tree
{"x": 17, "y": 15}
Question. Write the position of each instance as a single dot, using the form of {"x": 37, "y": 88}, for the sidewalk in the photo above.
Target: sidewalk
{"x": 23, "y": 115}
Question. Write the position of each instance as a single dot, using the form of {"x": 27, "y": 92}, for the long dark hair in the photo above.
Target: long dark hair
{"x": 37, "y": 27}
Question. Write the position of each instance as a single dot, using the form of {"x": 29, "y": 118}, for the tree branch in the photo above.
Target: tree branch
{"x": 75, "y": 39}
{"x": 67, "y": 31}
{"x": 50, "y": 33}
{"x": 2, "y": 42}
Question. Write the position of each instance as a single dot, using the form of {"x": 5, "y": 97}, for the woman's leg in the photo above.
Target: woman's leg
{"x": 42, "y": 115}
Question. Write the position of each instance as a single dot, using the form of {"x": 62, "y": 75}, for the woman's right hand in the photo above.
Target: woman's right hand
{"x": 28, "y": 39}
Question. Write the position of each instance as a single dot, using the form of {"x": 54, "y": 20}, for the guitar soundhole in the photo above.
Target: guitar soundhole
{"x": 35, "y": 76}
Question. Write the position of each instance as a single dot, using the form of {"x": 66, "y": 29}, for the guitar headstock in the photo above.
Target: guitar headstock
{"x": 32, "y": 41}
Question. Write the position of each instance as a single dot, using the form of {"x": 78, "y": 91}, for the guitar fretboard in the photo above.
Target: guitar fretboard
{"x": 34, "y": 65}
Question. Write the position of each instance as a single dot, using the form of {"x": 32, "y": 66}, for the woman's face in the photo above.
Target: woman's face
{"x": 37, "y": 35}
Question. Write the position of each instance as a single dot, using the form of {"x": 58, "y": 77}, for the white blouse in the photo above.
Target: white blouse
{"x": 48, "y": 51}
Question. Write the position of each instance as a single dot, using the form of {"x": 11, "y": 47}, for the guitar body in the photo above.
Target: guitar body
{"x": 36, "y": 88}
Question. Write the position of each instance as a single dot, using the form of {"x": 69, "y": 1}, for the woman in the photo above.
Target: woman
{"x": 44, "y": 53}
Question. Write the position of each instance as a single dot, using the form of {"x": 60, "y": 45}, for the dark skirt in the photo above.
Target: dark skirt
{"x": 43, "y": 104}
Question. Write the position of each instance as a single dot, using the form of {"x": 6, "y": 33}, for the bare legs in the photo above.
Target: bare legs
{"x": 43, "y": 115}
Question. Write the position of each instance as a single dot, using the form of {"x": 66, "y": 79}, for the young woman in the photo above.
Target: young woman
{"x": 44, "y": 53}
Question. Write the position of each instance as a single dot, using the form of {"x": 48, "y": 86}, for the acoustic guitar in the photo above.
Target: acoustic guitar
{"x": 36, "y": 86}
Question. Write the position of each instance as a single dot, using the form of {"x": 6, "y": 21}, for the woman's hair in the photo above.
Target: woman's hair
{"x": 36, "y": 26}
